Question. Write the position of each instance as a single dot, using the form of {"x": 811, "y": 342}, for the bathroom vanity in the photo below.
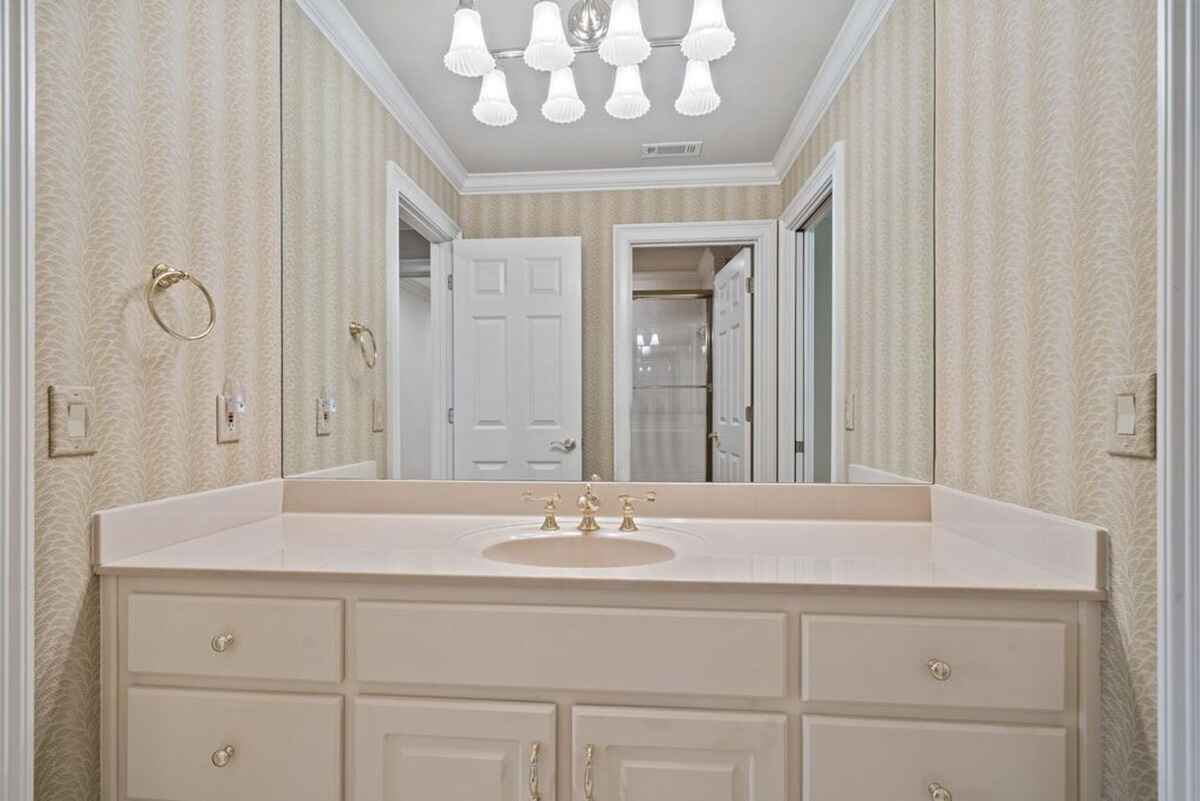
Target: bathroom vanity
{"x": 265, "y": 642}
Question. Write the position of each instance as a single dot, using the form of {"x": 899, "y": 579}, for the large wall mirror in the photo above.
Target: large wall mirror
{"x": 573, "y": 309}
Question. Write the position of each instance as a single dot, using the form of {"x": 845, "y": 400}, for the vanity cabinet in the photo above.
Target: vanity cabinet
{"x": 297, "y": 688}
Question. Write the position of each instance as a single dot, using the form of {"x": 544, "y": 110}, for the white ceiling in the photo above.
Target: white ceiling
{"x": 780, "y": 47}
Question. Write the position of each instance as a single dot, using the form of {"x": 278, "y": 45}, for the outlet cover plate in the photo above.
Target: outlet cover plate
{"x": 378, "y": 415}
{"x": 69, "y": 437}
{"x": 229, "y": 426}
{"x": 324, "y": 420}
{"x": 1141, "y": 443}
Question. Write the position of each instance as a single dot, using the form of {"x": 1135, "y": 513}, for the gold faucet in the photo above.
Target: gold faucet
{"x": 627, "y": 501}
{"x": 589, "y": 504}
{"x": 550, "y": 509}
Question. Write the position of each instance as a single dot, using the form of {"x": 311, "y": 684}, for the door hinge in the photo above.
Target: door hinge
{"x": 450, "y": 415}
{"x": 450, "y": 282}
{"x": 749, "y": 414}
{"x": 799, "y": 446}
{"x": 749, "y": 284}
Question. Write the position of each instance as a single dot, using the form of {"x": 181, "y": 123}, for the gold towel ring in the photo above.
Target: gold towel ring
{"x": 162, "y": 278}
{"x": 357, "y": 330}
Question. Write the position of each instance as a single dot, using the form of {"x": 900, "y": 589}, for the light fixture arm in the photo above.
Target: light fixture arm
{"x": 501, "y": 55}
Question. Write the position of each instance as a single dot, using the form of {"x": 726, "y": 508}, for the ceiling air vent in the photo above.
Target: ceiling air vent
{"x": 666, "y": 150}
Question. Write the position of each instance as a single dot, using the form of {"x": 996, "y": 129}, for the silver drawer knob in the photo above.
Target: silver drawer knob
{"x": 941, "y": 671}
{"x": 222, "y": 756}
{"x": 939, "y": 793}
{"x": 222, "y": 642}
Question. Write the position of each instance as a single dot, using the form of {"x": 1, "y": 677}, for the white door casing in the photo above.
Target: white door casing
{"x": 518, "y": 359}
{"x": 732, "y": 359}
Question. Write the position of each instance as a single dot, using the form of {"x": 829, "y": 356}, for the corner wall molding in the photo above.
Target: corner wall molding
{"x": 674, "y": 177}
{"x": 861, "y": 23}
{"x": 344, "y": 33}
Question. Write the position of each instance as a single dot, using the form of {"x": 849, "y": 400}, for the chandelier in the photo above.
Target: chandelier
{"x": 593, "y": 26}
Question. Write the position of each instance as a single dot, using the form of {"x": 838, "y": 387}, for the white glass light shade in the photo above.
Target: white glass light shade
{"x": 625, "y": 44}
{"x": 562, "y": 101}
{"x": 654, "y": 339}
{"x": 494, "y": 107}
{"x": 548, "y": 49}
{"x": 628, "y": 101}
{"x": 698, "y": 96}
{"x": 709, "y": 37}
{"x": 468, "y": 55}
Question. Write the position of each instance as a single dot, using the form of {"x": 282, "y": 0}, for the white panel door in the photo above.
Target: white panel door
{"x": 433, "y": 750}
{"x": 677, "y": 755}
{"x": 731, "y": 370}
{"x": 518, "y": 361}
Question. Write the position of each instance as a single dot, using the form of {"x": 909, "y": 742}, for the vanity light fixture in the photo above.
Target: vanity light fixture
{"x": 698, "y": 95}
{"x": 708, "y": 37}
{"x": 494, "y": 107}
{"x": 628, "y": 100}
{"x": 625, "y": 45}
{"x": 468, "y": 55}
{"x": 548, "y": 49}
{"x": 562, "y": 101}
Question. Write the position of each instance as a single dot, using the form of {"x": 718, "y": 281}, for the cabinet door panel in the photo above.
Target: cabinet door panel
{"x": 678, "y": 755}
{"x": 452, "y": 750}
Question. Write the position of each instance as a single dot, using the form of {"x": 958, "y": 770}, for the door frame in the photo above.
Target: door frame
{"x": 407, "y": 201}
{"x": 763, "y": 236}
{"x": 1178, "y": 413}
{"x": 826, "y": 182}
{"x": 17, "y": 165}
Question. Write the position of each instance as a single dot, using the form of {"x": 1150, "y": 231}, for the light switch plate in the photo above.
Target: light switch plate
{"x": 378, "y": 415}
{"x": 324, "y": 419}
{"x": 72, "y": 421}
{"x": 1140, "y": 443}
{"x": 229, "y": 424}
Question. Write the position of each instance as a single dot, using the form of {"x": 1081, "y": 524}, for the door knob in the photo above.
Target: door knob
{"x": 566, "y": 444}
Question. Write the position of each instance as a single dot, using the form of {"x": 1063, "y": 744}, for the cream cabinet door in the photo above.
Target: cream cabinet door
{"x": 627, "y": 754}
{"x": 433, "y": 750}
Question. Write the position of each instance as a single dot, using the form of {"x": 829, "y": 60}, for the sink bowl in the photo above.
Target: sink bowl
{"x": 577, "y": 550}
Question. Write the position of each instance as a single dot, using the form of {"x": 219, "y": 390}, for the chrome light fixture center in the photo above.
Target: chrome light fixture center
{"x": 587, "y": 22}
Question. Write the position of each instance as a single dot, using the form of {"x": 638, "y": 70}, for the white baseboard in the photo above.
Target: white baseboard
{"x": 862, "y": 474}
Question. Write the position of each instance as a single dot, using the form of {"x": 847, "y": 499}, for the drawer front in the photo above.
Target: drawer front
{"x": 407, "y": 749}
{"x": 908, "y": 759}
{"x": 678, "y": 755}
{"x": 284, "y": 747}
{"x": 572, "y": 648}
{"x": 270, "y": 638}
{"x": 934, "y": 662}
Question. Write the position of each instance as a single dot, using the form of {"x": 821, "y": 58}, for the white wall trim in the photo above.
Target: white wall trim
{"x": 407, "y": 201}
{"x": 763, "y": 236}
{"x": 828, "y": 179}
{"x": 333, "y": 20}
{"x": 1179, "y": 400}
{"x": 861, "y": 23}
{"x": 16, "y": 402}
{"x": 673, "y": 177}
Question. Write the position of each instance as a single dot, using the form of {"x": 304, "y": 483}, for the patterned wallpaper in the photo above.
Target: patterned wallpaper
{"x": 158, "y": 140}
{"x": 337, "y": 141}
{"x": 884, "y": 116}
{"x": 592, "y": 215}
{"x": 1046, "y": 287}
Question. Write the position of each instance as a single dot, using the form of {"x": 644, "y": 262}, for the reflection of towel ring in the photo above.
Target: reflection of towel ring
{"x": 163, "y": 278}
{"x": 357, "y": 330}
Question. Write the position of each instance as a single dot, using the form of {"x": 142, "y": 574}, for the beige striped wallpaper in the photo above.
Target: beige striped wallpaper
{"x": 591, "y": 215}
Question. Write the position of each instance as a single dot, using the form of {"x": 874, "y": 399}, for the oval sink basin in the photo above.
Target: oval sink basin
{"x": 577, "y": 550}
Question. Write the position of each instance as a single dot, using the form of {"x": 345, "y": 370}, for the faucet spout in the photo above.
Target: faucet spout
{"x": 589, "y": 504}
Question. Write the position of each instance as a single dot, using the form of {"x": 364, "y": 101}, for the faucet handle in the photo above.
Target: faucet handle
{"x": 627, "y": 502}
{"x": 550, "y": 508}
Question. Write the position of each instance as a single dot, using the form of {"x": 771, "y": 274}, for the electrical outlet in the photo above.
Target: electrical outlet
{"x": 378, "y": 415}
{"x": 326, "y": 409}
{"x": 72, "y": 421}
{"x": 1132, "y": 431}
{"x": 848, "y": 412}
{"x": 229, "y": 421}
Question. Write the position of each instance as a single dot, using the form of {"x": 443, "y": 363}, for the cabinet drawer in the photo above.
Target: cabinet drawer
{"x": 665, "y": 754}
{"x": 903, "y": 759}
{"x": 415, "y": 748}
{"x": 272, "y": 638}
{"x": 284, "y": 747}
{"x": 934, "y": 662}
{"x": 572, "y": 648}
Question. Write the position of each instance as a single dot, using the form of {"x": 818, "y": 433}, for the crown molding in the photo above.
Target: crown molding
{"x": 342, "y": 30}
{"x": 861, "y": 23}
{"x": 674, "y": 177}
